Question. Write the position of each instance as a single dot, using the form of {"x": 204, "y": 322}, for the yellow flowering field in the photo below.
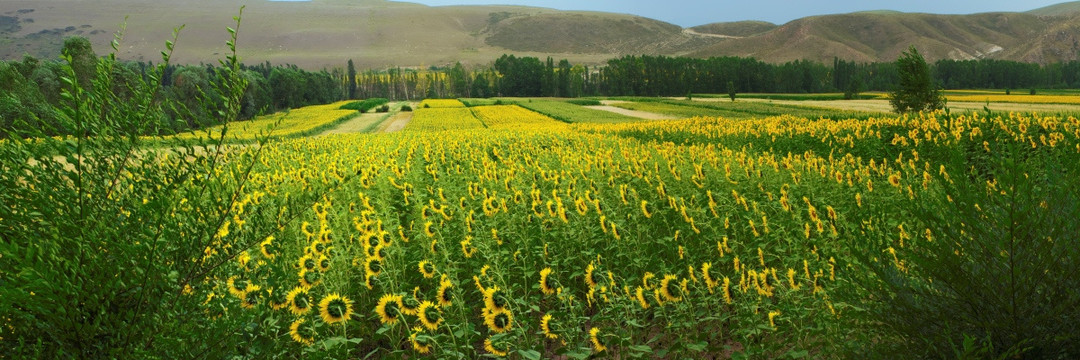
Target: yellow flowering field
{"x": 297, "y": 122}
{"x": 1023, "y": 99}
{"x": 691, "y": 237}
{"x": 441, "y": 103}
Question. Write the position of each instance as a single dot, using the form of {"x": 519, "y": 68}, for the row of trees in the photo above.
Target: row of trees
{"x": 677, "y": 76}
{"x": 31, "y": 89}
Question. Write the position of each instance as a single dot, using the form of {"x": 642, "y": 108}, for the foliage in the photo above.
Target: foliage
{"x": 304, "y": 121}
{"x": 103, "y": 241}
{"x": 915, "y": 91}
{"x": 571, "y": 113}
{"x": 365, "y": 105}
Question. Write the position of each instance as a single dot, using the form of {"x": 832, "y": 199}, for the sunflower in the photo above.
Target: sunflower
{"x": 645, "y": 209}
{"x": 492, "y": 300}
{"x": 640, "y": 294}
{"x": 894, "y": 179}
{"x": 388, "y": 309}
{"x": 302, "y": 334}
{"x": 310, "y": 278}
{"x": 444, "y": 295}
{"x": 277, "y": 299}
{"x": 419, "y": 342}
{"x": 670, "y": 288}
{"x": 594, "y": 336}
{"x": 307, "y": 262}
{"x": 318, "y": 248}
{"x": 590, "y": 280}
{"x": 466, "y": 247}
{"x": 430, "y": 315}
{"x": 772, "y": 318}
{"x": 299, "y": 301}
{"x": 324, "y": 263}
{"x": 490, "y": 348}
{"x": 427, "y": 269}
{"x": 499, "y": 321}
{"x": 727, "y": 290}
{"x": 709, "y": 281}
{"x": 545, "y": 282}
{"x": 251, "y": 296}
{"x": 268, "y": 248}
{"x": 237, "y": 286}
{"x": 335, "y": 309}
{"x": 545, "y": 324}
{"x": 373, "y": 266}
{"x": 409, "y": 306}
{"x": 427, "y": 229}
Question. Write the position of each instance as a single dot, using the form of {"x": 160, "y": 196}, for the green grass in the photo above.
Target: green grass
{"x": 734, "y": 110}
{"x": 567, "y": 112}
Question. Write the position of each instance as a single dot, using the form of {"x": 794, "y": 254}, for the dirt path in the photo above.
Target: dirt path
{"x": 357, "y": 124}
{"x": 607, "y": 106}
{"x": 884, "y": 106}
{"x": 395, "y": 123}
{"x": 691, "y": 32}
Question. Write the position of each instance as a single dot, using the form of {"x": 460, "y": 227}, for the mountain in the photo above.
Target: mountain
{"x": 379, "y": 33}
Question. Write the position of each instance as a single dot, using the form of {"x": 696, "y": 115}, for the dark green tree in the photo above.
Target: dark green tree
{"x": 351, "y": 80}
{"x": 82, "y": 57}
{"x": 916, "y": 90}
{"x": 731, "y": 90}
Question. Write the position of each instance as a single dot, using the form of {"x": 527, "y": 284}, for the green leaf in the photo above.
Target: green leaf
{"x": 700, "y": 346}
{"x": 530, "y": 354}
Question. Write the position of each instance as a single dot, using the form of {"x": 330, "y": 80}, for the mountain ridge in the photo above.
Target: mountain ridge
{"x": 379, "y": 33}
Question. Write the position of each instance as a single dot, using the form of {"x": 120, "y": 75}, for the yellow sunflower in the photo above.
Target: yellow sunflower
{"x": 545, "y": 282}
{"x": 594, "y": 336}
{"x": 268, "y": 248}
{"x": 237, "y": 286}
{"x": 323, "y": 263}
{"x": 590, "y": 280}
{"x": 430, "y": 315}
{"x": 310, "y": 278}
{"x": 373, "y": 266}
{"x": 302, "y": 334}
{"x": 670, "y": 289}
{"x": 490, "y": 348}
{"x": 299, "y": 301}
{"x": 419, "y": 342}
{"x": 335, "y": 309}
{"x": 251, "y": 296}
{"x": 388, "y": 309}
{"x": 307, "y": 262}
{"x": 545, "y": 324}
{"x": 641, "y": 298}
{"x": 499, "y": 321}
{"x": 492, "y": 300}
{"x": 446, "y": 299}
{"x": 427, "y": 269}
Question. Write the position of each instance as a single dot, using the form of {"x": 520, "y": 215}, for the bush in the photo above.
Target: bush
{"x": 365, "y": 105}
{"x": 406, "y": 108}
{"x": 997, "y": 274}
{"x": 383, "y": 109}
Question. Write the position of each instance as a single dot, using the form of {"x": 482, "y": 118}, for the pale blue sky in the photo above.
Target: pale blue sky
{"x": 697, "y": 12}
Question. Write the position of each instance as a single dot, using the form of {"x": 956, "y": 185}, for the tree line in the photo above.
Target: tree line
{"x": 31, "y": 89}
{"x": 679, "y": 76}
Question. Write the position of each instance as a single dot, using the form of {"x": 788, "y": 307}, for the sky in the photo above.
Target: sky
{"x": 689, "y": 13}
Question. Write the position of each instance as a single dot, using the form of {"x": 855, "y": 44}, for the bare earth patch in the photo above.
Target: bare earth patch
{"x": 395, "y": 123}
{"x": 357, "y": 124}
{"x": 633, "y": 113}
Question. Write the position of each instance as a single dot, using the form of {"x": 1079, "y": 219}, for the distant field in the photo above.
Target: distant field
{"x": 572, "y": 113}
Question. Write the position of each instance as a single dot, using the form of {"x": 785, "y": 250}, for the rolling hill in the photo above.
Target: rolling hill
{"x": 379, "y": 33}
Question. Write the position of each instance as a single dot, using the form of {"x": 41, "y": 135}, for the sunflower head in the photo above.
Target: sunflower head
{"x": 493, "y": 300}
{"x": 373, "y": 266}
{"x": 299, "y": 301}
{"x": 237, "y": 286}
{"x": 335, "y": 309}
{"x": 430, "y": 315}
{"x": 420, "y": 342}
{"x": 446, "y": 299}
{"x": 547, "y": 285}
{"x": 310, "y": 278}
{"x": 268, "y": 248}
{"x": 594, "y": 336}
{"x": 308, "y": 263}
{"x": 489, "y": 346}
{"x": 302, "y": 332}
{"x": 499, "y": 321}
{"x": 324, "y": 263}
{"x": 427, "y": 269}
{"x": 590, "y": 278}
{"x": 388, "y": 309}
{"x": 251, "y": 297}
{"x": 545, "y": 324}
{"x": 669, "y": 287}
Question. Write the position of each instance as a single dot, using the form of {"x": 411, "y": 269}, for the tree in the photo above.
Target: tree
{"x": 82, "y": 57}
{"x": 916, "y": 90}
{"x": 351, "y": 80}
{"x": 731, "y": 90}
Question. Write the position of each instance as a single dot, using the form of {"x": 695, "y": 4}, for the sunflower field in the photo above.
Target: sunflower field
{"x": 496, "y": 231}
